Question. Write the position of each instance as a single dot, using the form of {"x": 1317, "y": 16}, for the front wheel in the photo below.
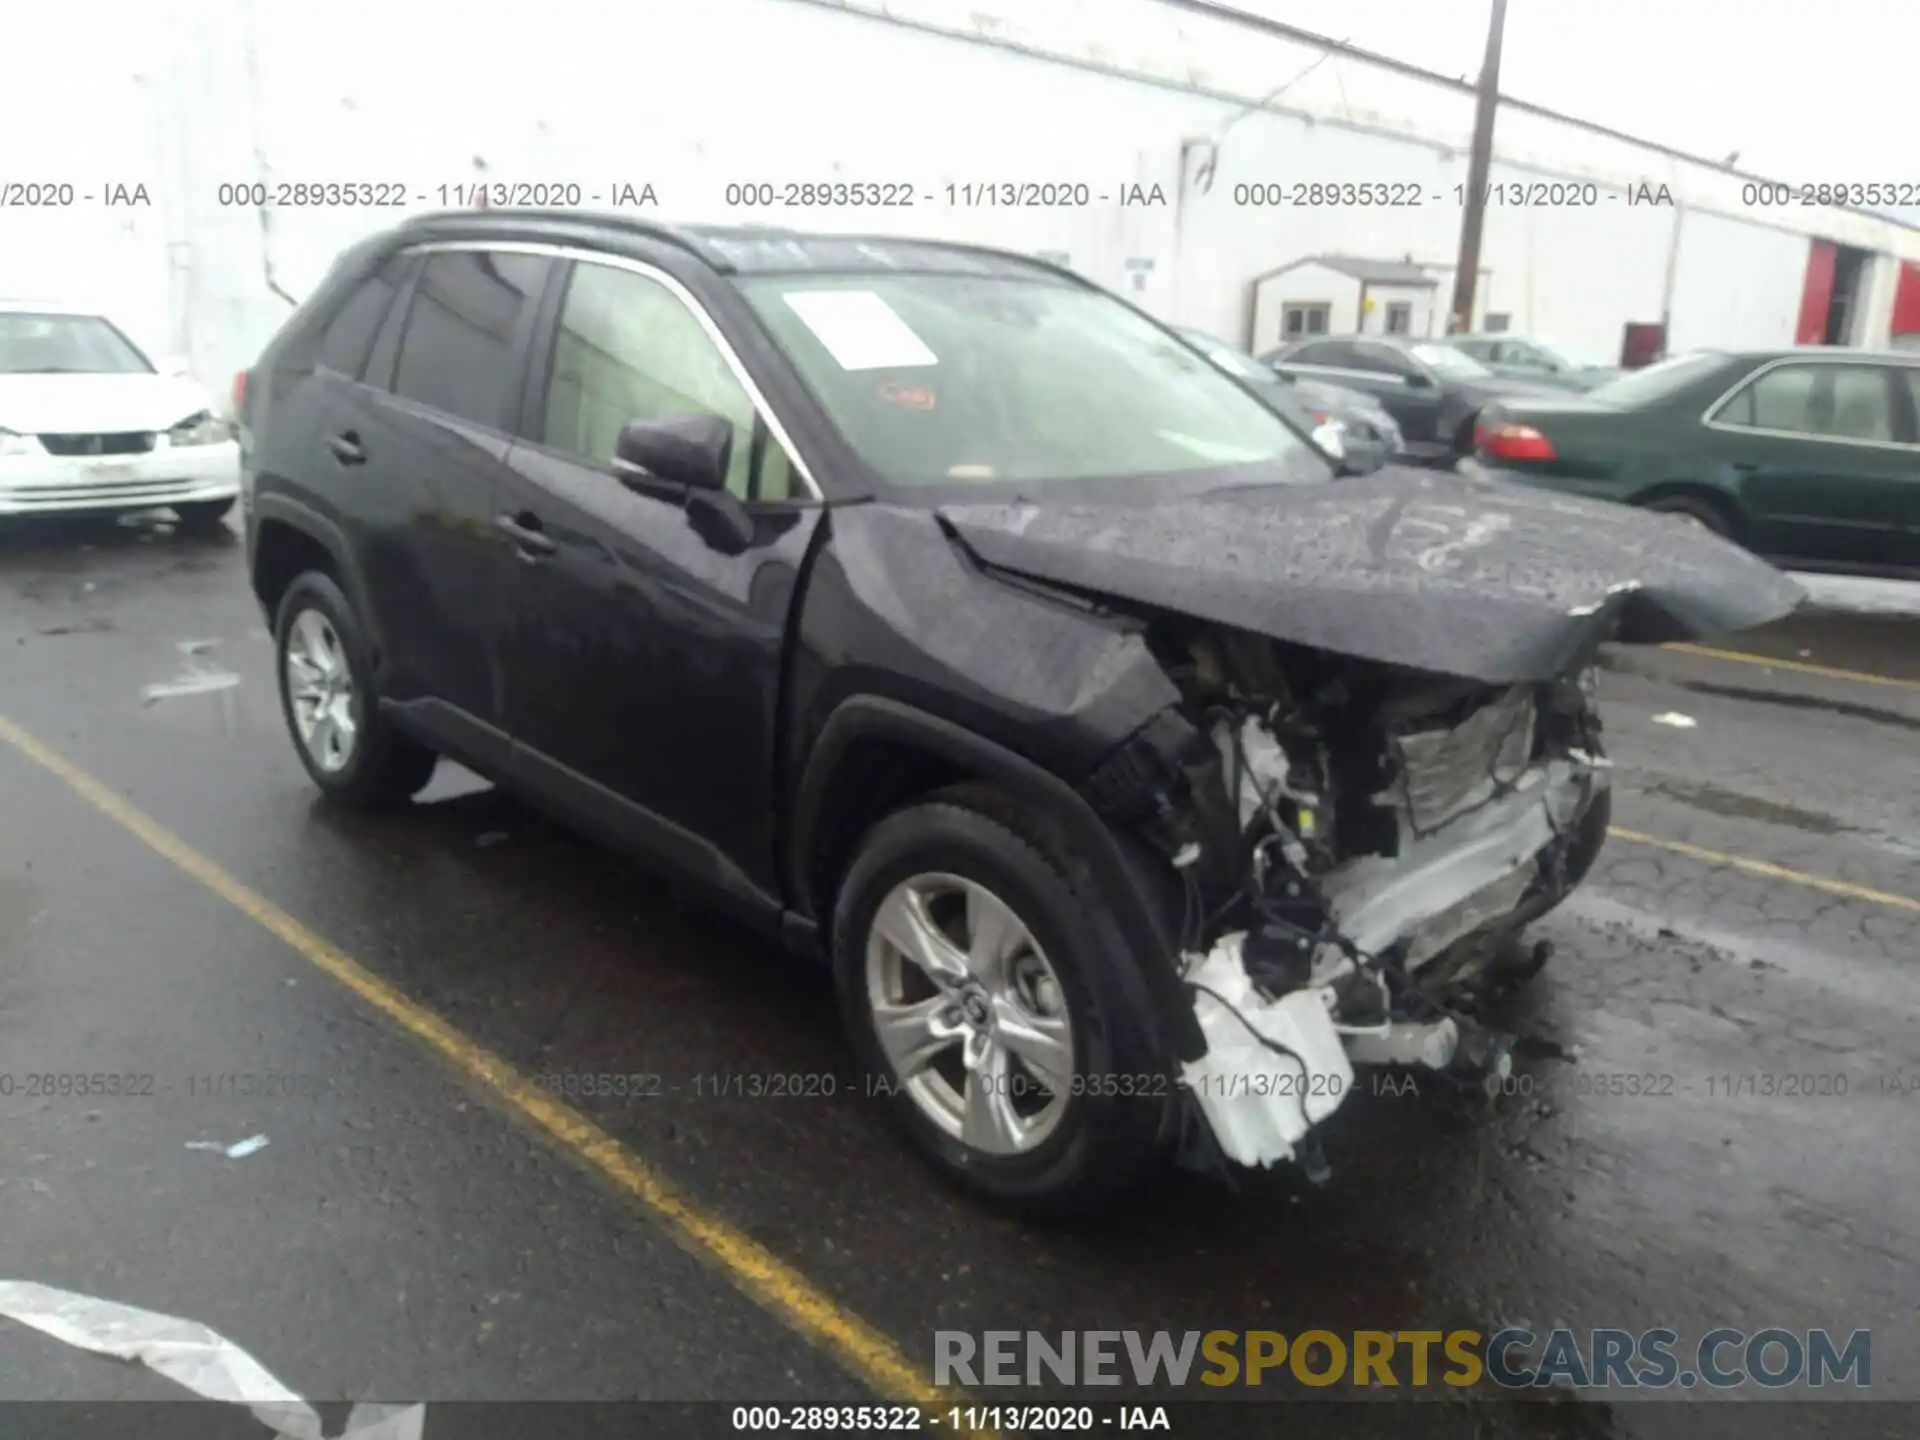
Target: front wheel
{"x": 351, "y": 750}
{"x": 974, "y": 990}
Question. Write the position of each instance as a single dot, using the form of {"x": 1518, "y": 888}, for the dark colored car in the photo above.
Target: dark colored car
{"x": 1522, "y": 359}
{"x": 1349, "y": 426}
{"x": 1432, "y": 391}
{"x": 946, "y": 619}
{"x": 1809, "y": 457}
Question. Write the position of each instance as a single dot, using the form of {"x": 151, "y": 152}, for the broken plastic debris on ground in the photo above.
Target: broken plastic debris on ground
{"x": 195, "y": 1357}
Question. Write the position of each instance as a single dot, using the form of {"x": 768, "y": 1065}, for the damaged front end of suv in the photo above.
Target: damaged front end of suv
{"x": 1385, "y": 759}
{"x": 1358, "y": 844}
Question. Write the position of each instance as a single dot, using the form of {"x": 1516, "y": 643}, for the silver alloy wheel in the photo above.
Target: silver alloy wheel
{"x": 969, "y": 1013}
{"x": 320, "y": 691}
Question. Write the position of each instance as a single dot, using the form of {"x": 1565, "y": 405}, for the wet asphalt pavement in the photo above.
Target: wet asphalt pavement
{"x": 404, "y": 1235}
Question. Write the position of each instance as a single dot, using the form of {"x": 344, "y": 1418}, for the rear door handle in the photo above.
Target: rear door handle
{"x": 533, "y": 542}
{"x": 346, "y": 448}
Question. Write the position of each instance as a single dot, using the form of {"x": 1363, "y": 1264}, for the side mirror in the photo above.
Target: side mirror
{"x": 1365, "y": 463}
{"x": 175, "y": 367}
{"x": 691, "y": 450}
{"x": 1419, "y": 380}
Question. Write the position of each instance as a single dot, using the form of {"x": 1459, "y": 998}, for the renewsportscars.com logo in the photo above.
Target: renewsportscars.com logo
{"x": 1656, "y": 1359}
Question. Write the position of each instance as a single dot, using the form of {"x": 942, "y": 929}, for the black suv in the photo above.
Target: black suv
{"x": 954, "y": 622}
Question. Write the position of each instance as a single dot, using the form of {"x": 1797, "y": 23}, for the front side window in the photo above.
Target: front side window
{"x": 1842, "y": 402}
{"x": 938, "y": 378}
{"x": 457, "y": 352}
{"x": 630, "y": 350}
{"x": 33, "y": 344}
{"x": 1449, "y": 361}
{"x": 1385, "y": 360}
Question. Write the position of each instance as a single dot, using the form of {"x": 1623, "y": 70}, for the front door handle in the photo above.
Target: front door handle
{"x": 346, "y": 448}
{"x": 532, "y": 541}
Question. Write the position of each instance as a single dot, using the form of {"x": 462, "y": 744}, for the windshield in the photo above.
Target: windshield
{"x": 66, "y": 345}
{"x": 1448, "y": 361}
{"x": 1658, "y": 381}
{"x": 934, "y": 379}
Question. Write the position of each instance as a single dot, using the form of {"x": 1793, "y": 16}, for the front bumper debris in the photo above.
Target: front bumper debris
{"x": 1276, "y": 1066}
{"x": 1273, "y": 1069}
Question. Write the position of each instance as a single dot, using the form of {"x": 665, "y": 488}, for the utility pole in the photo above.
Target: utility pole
{"x": 1466, "y": 274}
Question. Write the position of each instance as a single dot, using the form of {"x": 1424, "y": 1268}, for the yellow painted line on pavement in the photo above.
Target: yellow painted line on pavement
{"x": 1769, "y": 870}
{"x": 780, "y": 1289}
{"x": 1800, "y": 667}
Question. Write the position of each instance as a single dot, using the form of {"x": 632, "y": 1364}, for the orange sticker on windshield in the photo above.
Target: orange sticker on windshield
{"x": 909, "y": 397}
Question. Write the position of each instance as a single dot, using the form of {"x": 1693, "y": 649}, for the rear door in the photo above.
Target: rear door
{"x": 1823, "y": 456}
{"x": 429, "y": 449}
{"x": 643, "y": 645}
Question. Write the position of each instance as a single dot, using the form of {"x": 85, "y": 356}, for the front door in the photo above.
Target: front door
{"x": 642, "y": 645}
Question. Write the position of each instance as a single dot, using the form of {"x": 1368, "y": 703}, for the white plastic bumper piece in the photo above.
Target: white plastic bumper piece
{"x": 1261, "y": 1092}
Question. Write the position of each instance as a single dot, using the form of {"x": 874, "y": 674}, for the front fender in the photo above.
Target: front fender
{"x": 1141, "y": 935}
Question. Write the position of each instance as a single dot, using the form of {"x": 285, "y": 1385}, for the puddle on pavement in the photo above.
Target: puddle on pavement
{"x": 1717, "y": 801}
{"x": 1737, "y": 805}
{"x": 1872, "y": 713}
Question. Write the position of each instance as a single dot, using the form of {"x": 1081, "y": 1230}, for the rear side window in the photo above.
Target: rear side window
{"x": 348, "y": 337}
{"x": 456, "y": 354}
{"x": 1336, "y": 353}
{"x": 1843, "y": 402}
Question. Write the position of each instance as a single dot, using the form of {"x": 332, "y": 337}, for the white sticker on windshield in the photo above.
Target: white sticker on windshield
{"x": 860, "y": 330}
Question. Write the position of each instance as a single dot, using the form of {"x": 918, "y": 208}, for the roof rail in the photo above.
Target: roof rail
{"x": 481, "y": 221}
{"x": 966, "y": 247}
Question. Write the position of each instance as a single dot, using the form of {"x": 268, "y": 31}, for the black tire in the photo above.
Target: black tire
{"x": 204, "y": 514}
{"x": 1102, "y": 1143}
{"x": 383, "y": 767}
{"x": 1709, "y": 513}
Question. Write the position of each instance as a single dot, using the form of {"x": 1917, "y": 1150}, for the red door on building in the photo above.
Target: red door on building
{"x": 1816, "y": 296}
{"x": 1906, "y": 300}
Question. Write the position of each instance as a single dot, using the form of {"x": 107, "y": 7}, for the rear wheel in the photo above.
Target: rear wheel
{"x": 351, "y": 750}
{"x": 1708, "y": 514}
{"x": 974, "y": 990}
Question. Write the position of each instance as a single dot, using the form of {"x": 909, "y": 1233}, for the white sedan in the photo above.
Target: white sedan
{"x": 88, "y": 424}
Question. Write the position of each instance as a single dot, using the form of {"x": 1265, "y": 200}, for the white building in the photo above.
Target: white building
{"x": 1349, "y": 294}
{"x": 1143, "y": 143}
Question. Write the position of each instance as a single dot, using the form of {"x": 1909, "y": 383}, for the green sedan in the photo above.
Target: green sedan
{"x": 1810, "y": 458}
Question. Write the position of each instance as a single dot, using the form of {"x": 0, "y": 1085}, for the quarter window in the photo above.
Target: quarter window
{"x": 457, "y": 353}
{"x": 349, "y": 335}
{"x": 629, "y": 349}
{"x": 1847, "y": 402}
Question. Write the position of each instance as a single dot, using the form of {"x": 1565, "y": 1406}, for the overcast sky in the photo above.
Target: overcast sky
{"x": 1803, "y": 89}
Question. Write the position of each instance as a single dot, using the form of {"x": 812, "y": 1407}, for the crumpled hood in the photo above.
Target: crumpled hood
{"x": 1446, "y": 573}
